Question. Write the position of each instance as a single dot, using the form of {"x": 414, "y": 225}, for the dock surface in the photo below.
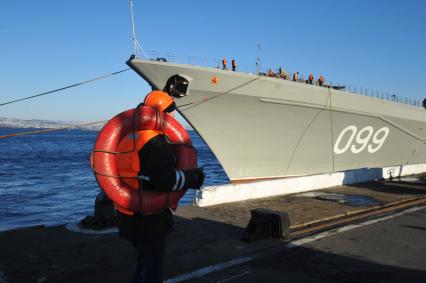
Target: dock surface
{"x": 205, "y": 245}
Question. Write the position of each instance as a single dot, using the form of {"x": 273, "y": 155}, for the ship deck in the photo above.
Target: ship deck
{"x": 207, "y": 240}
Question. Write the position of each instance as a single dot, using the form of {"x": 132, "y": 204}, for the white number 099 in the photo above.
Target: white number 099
{"x": 362, "y": 139}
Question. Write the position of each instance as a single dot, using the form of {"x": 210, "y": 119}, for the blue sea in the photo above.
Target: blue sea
{"x": 47, "y": 178}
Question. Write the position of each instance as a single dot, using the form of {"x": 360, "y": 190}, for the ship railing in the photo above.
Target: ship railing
{"x": 217, "y": 63}
{"x": 381, "y": 95}
{"x": 194, "y": 60}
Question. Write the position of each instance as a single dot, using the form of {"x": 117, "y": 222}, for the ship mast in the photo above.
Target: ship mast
{"x": 258, "y": 59}
{"x": 133, "y": 29}
{"x": 135, "y": 44}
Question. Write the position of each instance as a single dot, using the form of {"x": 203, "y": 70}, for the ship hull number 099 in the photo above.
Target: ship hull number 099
{"x": 358, "y": 141}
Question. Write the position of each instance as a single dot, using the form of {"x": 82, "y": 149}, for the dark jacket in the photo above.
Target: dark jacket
{"x": 158, "y": 167}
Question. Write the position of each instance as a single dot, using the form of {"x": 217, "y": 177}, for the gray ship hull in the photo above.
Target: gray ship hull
{"x": 260, "y": 127}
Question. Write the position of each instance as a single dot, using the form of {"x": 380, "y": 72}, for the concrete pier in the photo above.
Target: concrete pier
{"x": 206, "y": 246}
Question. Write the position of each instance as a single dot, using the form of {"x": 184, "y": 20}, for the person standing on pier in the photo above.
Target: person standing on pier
{"x": 147, "y": 233}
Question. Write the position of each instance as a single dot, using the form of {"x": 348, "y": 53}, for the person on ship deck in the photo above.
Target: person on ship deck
{"x": 234, "y": 65}
{"x": 311, "y": 79}
{"x": 321, "y": 80}
{"x": 296, "y": 76}
{"x": 271, "y": 73}
{"x": 224, "y": 62}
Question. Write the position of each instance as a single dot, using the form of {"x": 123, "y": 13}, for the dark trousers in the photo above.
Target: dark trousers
{"x": 150, "y": 261}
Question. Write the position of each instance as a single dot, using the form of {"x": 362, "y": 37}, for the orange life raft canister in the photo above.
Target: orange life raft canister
{"x": 115, "y": 159}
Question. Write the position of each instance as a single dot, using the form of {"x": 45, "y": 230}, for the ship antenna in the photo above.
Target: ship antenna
{"x": 135, "y": 43}
{"x": 258, "y": 59}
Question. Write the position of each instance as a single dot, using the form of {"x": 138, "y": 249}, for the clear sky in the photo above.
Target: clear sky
{"x": 46, "y": 44}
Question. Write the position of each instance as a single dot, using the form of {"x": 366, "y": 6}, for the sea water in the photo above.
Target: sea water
{"x": 47, "y": 178}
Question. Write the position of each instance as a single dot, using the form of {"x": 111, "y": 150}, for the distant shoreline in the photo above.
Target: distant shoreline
{"x": 8, "y": 123}
{"x": 45, "y": 124}
{"x": 57, "y": 129}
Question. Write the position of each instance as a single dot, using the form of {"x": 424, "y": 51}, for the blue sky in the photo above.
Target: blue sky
{"x": 46, "y": 44}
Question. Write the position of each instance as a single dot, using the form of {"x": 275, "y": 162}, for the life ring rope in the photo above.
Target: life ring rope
{"x": 158, "y": 117}
{"x": 126, "y": 152}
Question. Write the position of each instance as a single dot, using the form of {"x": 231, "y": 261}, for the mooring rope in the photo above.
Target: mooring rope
{"x": 67, "y": 87}
{"x": 50, "y": 130}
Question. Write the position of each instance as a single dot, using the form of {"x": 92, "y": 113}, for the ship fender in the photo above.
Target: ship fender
{"x": 115, "y": 160}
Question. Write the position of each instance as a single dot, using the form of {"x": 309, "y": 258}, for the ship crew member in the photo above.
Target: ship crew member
{"x": 224, "y": 63}
{"x": 234, "y": 65}
{"x": 147, "y": 233}
{"x": 296, "y": 76}
{"x": 311, "y": 79}
{"x": 321, "y": 80}
{"x": 281, "y": 73}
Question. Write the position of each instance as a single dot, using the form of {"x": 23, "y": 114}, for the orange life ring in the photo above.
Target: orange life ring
{"x": 115, "y": 160}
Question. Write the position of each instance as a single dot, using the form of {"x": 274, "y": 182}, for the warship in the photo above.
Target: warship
{"x": 261, "y": 127}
